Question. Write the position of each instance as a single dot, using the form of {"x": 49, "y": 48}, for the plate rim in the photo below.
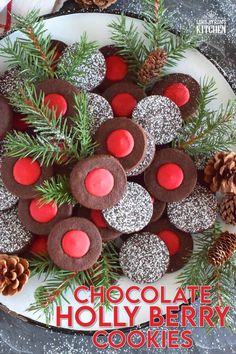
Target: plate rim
{"x": 143, "y": 325}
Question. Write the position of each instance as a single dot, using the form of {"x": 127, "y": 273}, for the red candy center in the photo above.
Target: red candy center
{"x": 40, "y": 245}
{"x": 120, "y": 143}
{"x": 123, "y": 104}
{"x": 26, "y": 171}
{"x": 178, "y": 93}
{"x": 42, "y": 213}
{"x": 98, "y": 219}
{"x": 56, "y": 102}
{"x": 19, "y": 123}
{"x": 117, "y": 68}
{"x": 99, "y": 182}
{"x": 75, "y": 243}
{"x": 170, "y": 176}
{"x": 171, "y": 240}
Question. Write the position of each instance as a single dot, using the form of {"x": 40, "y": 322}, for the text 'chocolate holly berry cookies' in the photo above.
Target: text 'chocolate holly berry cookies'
{"x": 144, "y": 258}
{"x": 195, "y": 213}
{"x": 123, "y": 98}
{"x": 172, "y": 176}
{"x": 39, "y": 217}
{"x": 75, "y": 244}
{"x": 182, "y": 89}
{"x": 160, "y": 117}
{"x": 123, "y": 139}
{"x": 21, "y": 176}
{"x": 98, "y": 182}
{"x": 179, "y": 243}
{"x": 133, "y": 212}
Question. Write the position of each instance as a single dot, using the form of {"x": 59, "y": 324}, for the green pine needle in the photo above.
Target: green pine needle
{"x": 56, "y": 189}
{"x": 59, "y": 282}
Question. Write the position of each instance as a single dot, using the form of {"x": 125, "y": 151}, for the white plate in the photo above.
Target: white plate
{"x": 69, "y": 29}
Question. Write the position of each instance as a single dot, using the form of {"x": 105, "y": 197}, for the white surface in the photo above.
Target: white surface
{"x": 68, "y": 29}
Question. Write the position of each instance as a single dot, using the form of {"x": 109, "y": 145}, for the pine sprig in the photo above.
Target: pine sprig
{"x": 199, "y": 272}
{"x": 70, "y": 66}
{"x": 60, "y": 281}
{"x": 129, "y": 41}
{"x": 32, "y": 52}
{"x": 56, "y": 189}
{"x": 208, "y": 131}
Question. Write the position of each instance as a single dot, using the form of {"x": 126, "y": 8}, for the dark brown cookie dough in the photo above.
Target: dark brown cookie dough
{"x": 115, "y": 137}
{"x": 60, "y": 254}
{"x": 172, "y": 176}
{"x": 42, "y": 227}
{"x": 179, "y": 243}
{"x": 6, "y": 121}
{"x": 63, "y": 88}
{"x": 159, "y": 208}
{"x": 187, "y": 83}
{"x": 21, "y": 190}
{"x": 96, "y": 217}
{"x": 98, "y": 182}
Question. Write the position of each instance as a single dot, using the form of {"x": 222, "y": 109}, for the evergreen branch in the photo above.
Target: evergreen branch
{"x": 42, "y": 266}
{"x": 71, "y": 64}
{"x": 177, "y": 46}
{"x": 22, "y": 145}
{"x": 199, "y": 272}
{"x": 56, "y": 189}
{"x": 156, "y": 29}
{"x": 54, "y": 290}
{"x": 32, "y": 52}
{"x": 130, "y": 43}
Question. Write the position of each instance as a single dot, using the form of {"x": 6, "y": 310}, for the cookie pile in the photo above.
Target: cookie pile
{"x": 136, "y": 186}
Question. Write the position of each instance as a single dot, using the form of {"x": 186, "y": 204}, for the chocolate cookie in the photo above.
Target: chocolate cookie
{"x": 148, "y": 158}
{"x": 14, "y": 238}
{"x": 160, "y": 117}
{"x": 39, "y": 218}
{"x": 116, "y": 66}
{"x": 195, "y": 213}
{"x": 159, "y": 208}
{"x": 21, "y": 176}
{"x": 179, "y": 243}
{"x": 6, "y": 120}
{"x": 123, "y": 98}
{"x": 93, "y": 71}
{"x": 98, "y": 182}
{"x": 133, "y": 212}
{"x": 123, "y": 139}
{"x": 182, "y": 89}
{"x": 172, "y": 176}
{"x": 144, "y": 258}
{"x": 59, "y": 95}
{"x": 97, "y": 218}
{"x": 99, "y": 111}
{"x": 74, "y": 244}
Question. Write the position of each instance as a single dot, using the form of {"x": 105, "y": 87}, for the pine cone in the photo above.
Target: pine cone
{"x": 152, "y": 66}
{"x": 102, "y": 4}
{"x": 220, "y": 172}
{"x": 14, "y": 274}
{"x": 228, "y": 209}
{"x": 222, "y": 249}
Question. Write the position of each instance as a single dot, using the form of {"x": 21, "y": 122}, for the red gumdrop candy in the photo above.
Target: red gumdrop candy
{"x": 117, "y": 68}
{"x": 120, "y": 143}
{"x": 178, "y": 93}
{"x": 98, "y": 219}
{"x": 99, "y": 182}
{"x": 39, "y": 245}
{"x": 75, "y": 243}
{"x": 26, "y": 171}
{"x": 170, "y": 176}
{"x": 56, "y": 102}
{"x": 42, "y": 213}
{"x": 123, "y": 105}
{"x": 171, "y": 240}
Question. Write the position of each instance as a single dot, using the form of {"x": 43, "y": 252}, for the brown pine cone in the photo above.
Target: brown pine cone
{"x": 152, "y": 66}
{"x": 222, "y": 249}
{"x": 228, "y": 209}
{"x": 102, "y": 4}
{"x": 14, "y": 274}
{"x": 220, "y": 172}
